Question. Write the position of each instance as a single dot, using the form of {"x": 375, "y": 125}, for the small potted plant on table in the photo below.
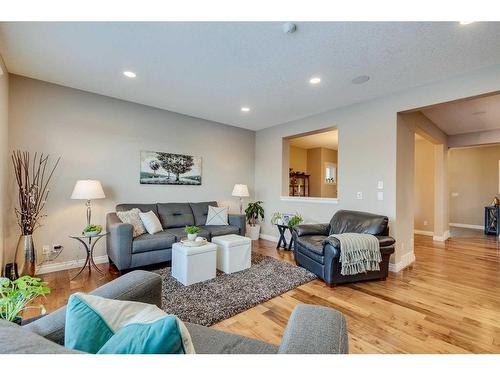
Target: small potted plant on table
{"x": 192, "y": 232}
{"x": 92, "y": 230}
{"x": 15, "y": 296}
{"x": 253, "y": 212}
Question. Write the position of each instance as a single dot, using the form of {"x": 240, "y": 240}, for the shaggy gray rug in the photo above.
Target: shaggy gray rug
{"x": 211, "y": 301}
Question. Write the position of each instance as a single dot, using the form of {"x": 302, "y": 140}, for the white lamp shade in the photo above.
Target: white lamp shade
{"x": 87, "y": 189}
{"x": 240, "y": 190}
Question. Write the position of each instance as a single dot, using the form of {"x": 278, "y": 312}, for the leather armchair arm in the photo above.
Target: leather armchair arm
{"x": 315, "y": 330}
{"x": 311, "y": 229}
{"x": 238, "y": 221}
{"x": 386, "y": 241}
{"x": 119, "y": 241}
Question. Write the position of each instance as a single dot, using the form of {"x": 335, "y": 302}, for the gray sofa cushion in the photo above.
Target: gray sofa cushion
{"x": 142, "y": 207}
{"x": 211, "y": 341}
{"x": 16, "y": 340}
{"x": 179, "y": 233}
{"x": 200, "y": 211}
{"x": 148, "y": 242}
{"x": 175, "y": 215}
{"x": 220, "y": 230}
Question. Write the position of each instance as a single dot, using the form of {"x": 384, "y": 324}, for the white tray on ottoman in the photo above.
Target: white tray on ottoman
{"x": 191, "y": 265}
{"x": 234, "y": 253}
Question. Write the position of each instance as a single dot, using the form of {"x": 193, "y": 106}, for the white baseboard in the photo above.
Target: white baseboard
{"x": 442, "y": 238}
{"x": 468, "y": 226}
{"x": 423, "y": 232}
{"x": 61, "y": 266}
{"x": 405, "y": 261}
{"x": 268, "y": 237}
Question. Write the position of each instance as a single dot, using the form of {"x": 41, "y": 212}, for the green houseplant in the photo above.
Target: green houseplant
{"x": 15, "y": 296}
{"x": 253, "y": 213}
{"x": 192, "y": 232}
{"x": 295, "y": 220}
{"x": 92, "y": 230}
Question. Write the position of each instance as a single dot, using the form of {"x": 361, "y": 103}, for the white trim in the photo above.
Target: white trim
{"x": 61, "y": 266}
{"x": 469, "y": 226}
{"x": 268, "y": 237}
{"x": 406, "y": 260}
{"x": 442, "y": 238}
{"x": 309, "y": 199}
{"x": 423, "y": 232}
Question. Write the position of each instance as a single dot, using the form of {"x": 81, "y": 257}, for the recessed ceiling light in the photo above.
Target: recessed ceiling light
{"x": 245, "y": 109}
{"x": 129, "y": 74}
{"x": 361, "y": 79}
{"x": 315, "y": 80}
{"x": 466, "y": 22}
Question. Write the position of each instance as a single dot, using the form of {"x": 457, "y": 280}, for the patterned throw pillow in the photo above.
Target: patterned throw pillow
{"x": 100, "y": 325}
{"x": 132, "y": 217}
{"x": 217, "y": 216}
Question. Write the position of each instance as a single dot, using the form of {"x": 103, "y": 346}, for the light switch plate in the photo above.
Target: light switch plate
{"x": 454, "y": 194}
{"x": 359, "y": 195}
{"x": 380, "y": 185}
{"x": 380, "y": 195}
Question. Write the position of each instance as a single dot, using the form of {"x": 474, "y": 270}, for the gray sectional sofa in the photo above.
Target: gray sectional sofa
{"x": 127, "y": 252}
{"x": 311, "y": 329}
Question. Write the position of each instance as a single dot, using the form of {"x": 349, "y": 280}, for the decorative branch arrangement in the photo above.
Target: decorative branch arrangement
{"x": 32, "y": 177}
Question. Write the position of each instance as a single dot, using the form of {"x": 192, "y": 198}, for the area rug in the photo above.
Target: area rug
{"x": 211, "y": 301}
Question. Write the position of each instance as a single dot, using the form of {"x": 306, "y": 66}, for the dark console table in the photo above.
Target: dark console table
{"x": 491, "y": 220}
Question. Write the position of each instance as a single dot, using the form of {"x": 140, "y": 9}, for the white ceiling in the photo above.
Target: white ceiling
{"x": 211, "y": 69}
{"x": 466, "y": 116}
{"x": 328, "y": 139}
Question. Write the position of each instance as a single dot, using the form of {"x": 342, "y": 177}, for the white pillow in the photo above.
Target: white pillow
{"x": 132, "y": 217}
{"x": 217, "y": 216}
{"x": 151, "y": 222}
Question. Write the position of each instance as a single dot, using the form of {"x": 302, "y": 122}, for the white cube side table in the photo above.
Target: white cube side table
{"x": 192, "y": 265}
{"x": 234, "y": 253}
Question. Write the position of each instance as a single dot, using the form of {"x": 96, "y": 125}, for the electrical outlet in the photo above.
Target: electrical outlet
{"x": 45, "y": 249}
{"x": 359, "y": 195}
{"x": 426, "y": 222}
{"x": 380, "y": 185}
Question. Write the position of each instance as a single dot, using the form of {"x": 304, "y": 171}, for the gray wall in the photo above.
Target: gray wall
{"x": 100, "y": 138}
{"x": 368, "y": 151}
{"x": 4, "y": 160}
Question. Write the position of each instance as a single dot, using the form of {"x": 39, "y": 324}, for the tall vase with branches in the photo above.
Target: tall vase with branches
{"x": 33, "y": 175}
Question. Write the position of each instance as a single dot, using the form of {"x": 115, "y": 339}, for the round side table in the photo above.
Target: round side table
{"x": 89, "y": 244}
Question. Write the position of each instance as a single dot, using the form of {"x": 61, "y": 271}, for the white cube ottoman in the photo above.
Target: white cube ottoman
{"x": 234, "y": 253}
{"x": 191, "y": 265}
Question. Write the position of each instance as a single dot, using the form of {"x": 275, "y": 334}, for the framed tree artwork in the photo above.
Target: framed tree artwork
{"x": 163, "y": 168}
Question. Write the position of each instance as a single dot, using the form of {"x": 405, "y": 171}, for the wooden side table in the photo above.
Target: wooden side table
{"x": 89, "y": 244}
{"x": 282, "y": 229}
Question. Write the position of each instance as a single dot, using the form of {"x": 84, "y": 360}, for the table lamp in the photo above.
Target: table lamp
{"x": 88, "y": 189}
{"x": 240, "y": 191}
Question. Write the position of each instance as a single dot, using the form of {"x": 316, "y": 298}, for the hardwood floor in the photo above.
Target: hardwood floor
{"x": 447, "y": 302}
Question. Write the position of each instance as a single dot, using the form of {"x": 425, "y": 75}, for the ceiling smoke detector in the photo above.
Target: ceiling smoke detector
{"x": 289, "y": 28}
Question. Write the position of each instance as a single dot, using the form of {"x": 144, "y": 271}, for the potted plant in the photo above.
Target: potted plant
{"x": 33, "y": 175}
{"x": 277, "y": 218}
{"x": 92, "y": 230}
{"x": 192, "y": 232}
{"x": 295, "y": 220}
{"x": 253, "y": 212}
{"x": 15, "y": 296}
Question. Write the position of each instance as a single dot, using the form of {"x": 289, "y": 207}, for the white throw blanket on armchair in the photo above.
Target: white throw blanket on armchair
{"x": 359, "y": 253}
